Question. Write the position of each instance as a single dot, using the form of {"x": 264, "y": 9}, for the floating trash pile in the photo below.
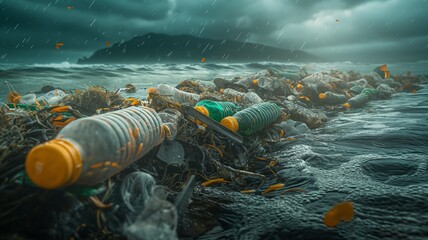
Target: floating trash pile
{"x": 91, "y": 164}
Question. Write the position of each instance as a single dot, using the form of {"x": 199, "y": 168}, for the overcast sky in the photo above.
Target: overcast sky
{"x": 354, "y": 30}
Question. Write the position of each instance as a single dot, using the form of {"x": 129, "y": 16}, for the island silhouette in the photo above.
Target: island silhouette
{"x": 162, "y": 48}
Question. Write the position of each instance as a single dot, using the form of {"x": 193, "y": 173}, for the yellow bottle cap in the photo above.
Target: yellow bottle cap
{"x": 202, "y": 110}
{"x": 231, "y": 123}
{"x": 151, "y": 90}
{"x": 255, "y": 82}
{"x": 322, "y": 96}
{"x": 221, "y": 90}
{"x": 54, "y": 164}
{"x": 299, "y": 86}
{"x": 347, "y": 105}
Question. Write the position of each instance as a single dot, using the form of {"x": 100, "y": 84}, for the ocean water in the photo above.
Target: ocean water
{"x": 376, "y": 157}
{"x": 30, "y": 78}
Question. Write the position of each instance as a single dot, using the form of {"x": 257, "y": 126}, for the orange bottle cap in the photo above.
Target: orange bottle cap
{"x": 54, "y": 164}
{"x": 347, "y": 105}
{"x": 322, "y": 96}
{"x": 299, "y": 86}
{"x": 202, "y": 110}
{"x": 231, "y": 123}
{"x": 255, "y": 82}
{"x": 151, "y": 90}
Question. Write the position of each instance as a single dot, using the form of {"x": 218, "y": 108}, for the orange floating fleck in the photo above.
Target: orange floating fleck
{"x": 203, "y": 60}
{"x": 304, "y": 98}
{"x": 213, "y": 181}
{"x": 107, "y": 43}
{"x": 342, "y": 211}
{"x": 273, "y": 188}
{"x": 59, "y": 44}
{"x": 248, "y": 191}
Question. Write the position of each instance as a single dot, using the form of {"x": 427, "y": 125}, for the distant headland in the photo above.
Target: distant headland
{"x": 162, "y": 48}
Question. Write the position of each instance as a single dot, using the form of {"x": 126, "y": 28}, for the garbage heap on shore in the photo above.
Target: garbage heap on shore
{"x": 90, "y": 164}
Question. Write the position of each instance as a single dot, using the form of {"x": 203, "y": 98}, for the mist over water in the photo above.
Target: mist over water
{"x": 375, "y": 156}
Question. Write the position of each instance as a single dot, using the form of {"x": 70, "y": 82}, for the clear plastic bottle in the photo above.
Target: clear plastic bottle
{"x": 175, "y": 94}
{"x": 249, "y": 82}
{"x": 331, "y": 98}
{"x": 252, "y": 98}
{"x": 29, "y": 99}
{"x": 89, "y": 150}
{"x": 171, "y": 119}
{"x": 385, "y": 91}
{"x": 252, "y": 119}
{"x": 53, "y": 97}
{"x": 217, "y": 110}
{"x": 311, "y": 118}
{"x": 267, "y": 83}
{"x": 233, "y": 93}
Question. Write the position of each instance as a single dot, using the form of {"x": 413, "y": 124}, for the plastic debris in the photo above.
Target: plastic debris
{"x": 252, "y": 119}
{"x": 151, "y": 184}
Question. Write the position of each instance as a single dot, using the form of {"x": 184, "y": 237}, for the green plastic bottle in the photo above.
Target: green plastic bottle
{"x": 371, "y": 92}
{"x": 217, "y": 110}
{"x": 252, "y": 119}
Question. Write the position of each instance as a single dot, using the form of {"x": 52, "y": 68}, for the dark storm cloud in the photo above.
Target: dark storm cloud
{"x": 333, "y": 29}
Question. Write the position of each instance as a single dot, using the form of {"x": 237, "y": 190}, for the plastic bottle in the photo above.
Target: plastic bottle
{"x": 371, "y": 92}
{"x": 385, "y": 91}
{"x": 53, "y": 97}
{"x": 217, "y": 110}
{"x": 29, "y": 99}
{"x": 331, "y": 98}
{"x": 357, "y": 101}
{"x": 171, "y": 119}
{"x": 360, "y": 82}
{"x": 252, "y": 119}
{"x": 233, "y": 93}
{"x": 311, "y": 118}
{"x": 249, "y": 97}
{"x": 89, "y": 150}
{"x": 268, "y": 83}
{"x": 252, "y": 98}
{"x": 175, "y": 94}
{"x": 310, "y": 91}
{"x": 249, "y": 82}
{"x": 356, "y": 89}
